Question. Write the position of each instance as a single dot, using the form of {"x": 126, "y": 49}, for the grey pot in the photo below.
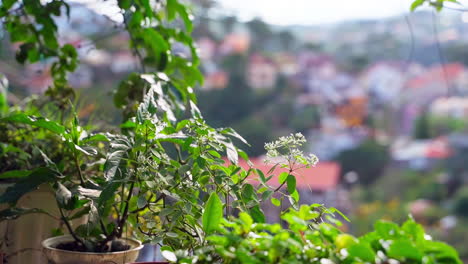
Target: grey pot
{"x": 58, "y": 256}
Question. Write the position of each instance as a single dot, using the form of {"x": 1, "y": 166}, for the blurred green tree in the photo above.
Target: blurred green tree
{"x": 422, "y": 127}
{"x": 368, "y": 160}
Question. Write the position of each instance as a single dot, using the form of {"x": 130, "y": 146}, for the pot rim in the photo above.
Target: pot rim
{"x": 46, "y": 245}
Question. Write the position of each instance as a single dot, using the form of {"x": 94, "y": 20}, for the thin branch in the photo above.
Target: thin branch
{"x": 69, "y": 228}
{"x": 439, "y": 51}
{"x": 135, "y": 48}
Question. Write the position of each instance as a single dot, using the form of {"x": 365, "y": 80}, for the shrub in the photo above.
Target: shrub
{"x": 310, "y": 240}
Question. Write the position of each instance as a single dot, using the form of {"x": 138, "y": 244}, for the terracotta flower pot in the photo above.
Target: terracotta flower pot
{"x": 58, "y": 256}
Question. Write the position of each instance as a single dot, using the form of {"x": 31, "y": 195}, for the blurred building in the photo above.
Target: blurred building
{"x": 455, "y": 107}
{"x": 234, "y": 44}
{"x": 261, "y": 72}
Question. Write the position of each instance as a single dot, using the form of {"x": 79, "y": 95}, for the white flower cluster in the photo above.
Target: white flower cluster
{"x": 289, "y": 148}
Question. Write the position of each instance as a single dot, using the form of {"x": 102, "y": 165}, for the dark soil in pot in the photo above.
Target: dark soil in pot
{"x": 115, "y": 246}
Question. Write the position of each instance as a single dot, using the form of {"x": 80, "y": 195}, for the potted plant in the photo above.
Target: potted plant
{"x": 155, "y": 183}
{"x": 20, "y": 157}
{"x": 154, "y": 180}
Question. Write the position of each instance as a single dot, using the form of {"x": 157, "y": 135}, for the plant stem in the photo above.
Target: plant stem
{"x": 282, "y": 184}
{"x": 125, "y": 212}
{"x": 67, "y": 224}
{"x": 77, "y": 163}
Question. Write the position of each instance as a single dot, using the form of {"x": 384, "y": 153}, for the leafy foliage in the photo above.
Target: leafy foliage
{"x": 309, "y": 240}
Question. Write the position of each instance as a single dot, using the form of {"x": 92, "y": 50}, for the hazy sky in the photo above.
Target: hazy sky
{"x": 314, "y": 11}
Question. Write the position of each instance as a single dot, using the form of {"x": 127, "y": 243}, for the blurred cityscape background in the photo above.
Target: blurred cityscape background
{"x": 383, "y": 102}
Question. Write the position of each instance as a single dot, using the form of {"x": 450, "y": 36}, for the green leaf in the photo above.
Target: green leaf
{"x": 90, "y": 151}
{"x": 27, "y": 184}
{"x": 141, "y": 201}
{"x": 155, "y": 40}
{"x": 231, "y": 152}
{"x": 35, "y": 121}
{"x": 93, "y": 215}
{"x": 119, "y": 147}
{"x": 295, "y": 196}
{"x": 107, "y": 193}
{"x": 403, "y": 250}
{"x": 261, "y": 176}
{"x": 186, "y": 17}
{"x": 282, "y": 177}
{"x": 15, "y": 174}
{"x": 94, "y": 138}
{"x": 387, "y": 230}
{"x": 3, "y": 94}
{"x": 169, "y": 255}
{"x": 213, "y": 214}
{"x": 291, "y": 183}
{"x": 275, "y": 202}
{"x": 248, "y": 193}
{"x": 442, "y": 252}
{"x": 416, "y": 4}
{"x": 334, "y": 210}
{"x": 171, "y": 9}
{"x": 125, "y": 4}
{"x": 266, "y": 195}
{"x": 415, "y": 230}
{"x": 182, "y": 124}
{"x": 7, "y": 4}
{"x": 243, "y": 155}
{"x": 62, "y": 194}
{"x": 257, "y": 214}
{"x": 363, "y": 251}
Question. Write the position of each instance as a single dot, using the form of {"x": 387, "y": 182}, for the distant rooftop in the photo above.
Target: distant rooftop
{"x": 323, "y": 177}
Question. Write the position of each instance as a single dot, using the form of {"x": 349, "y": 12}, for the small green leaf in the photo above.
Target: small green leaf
{"x": 362, "y": 251}
{"x": 172, "y": 234}
{"x": 248, "y": 192}
{"x": 403, "y": 250}
{"x": 231, "y": 152}
{"x": 213, "y": 214}
{"x": 15, "y": 174}
{"x": 35, "y": 121}
{"x": 261, "y": 176}
{"x": 282, "y": 177}
{"x": 257, "y": 215}
{"x": 295, "y": 196}
{"x": 275, "y": 202}
{"x": 141, "y": 201}
{"x": 125, "y": 4}
{"x": 171, "y": 9}
{"x": 169, "y": 255}
{"x": 291, "y": 183}
{"x": 94, "y": 138}
{"x": 266, "y": 195}
{"x": 416, "y": 4}
{"x": 62, "y": 194}
{"x": 24, "y": 185}
{"x": 182, "y": 124}
{"x": 3, "y": 94}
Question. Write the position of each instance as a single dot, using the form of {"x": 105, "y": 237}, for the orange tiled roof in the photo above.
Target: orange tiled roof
{"x": 436, "y": 74}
